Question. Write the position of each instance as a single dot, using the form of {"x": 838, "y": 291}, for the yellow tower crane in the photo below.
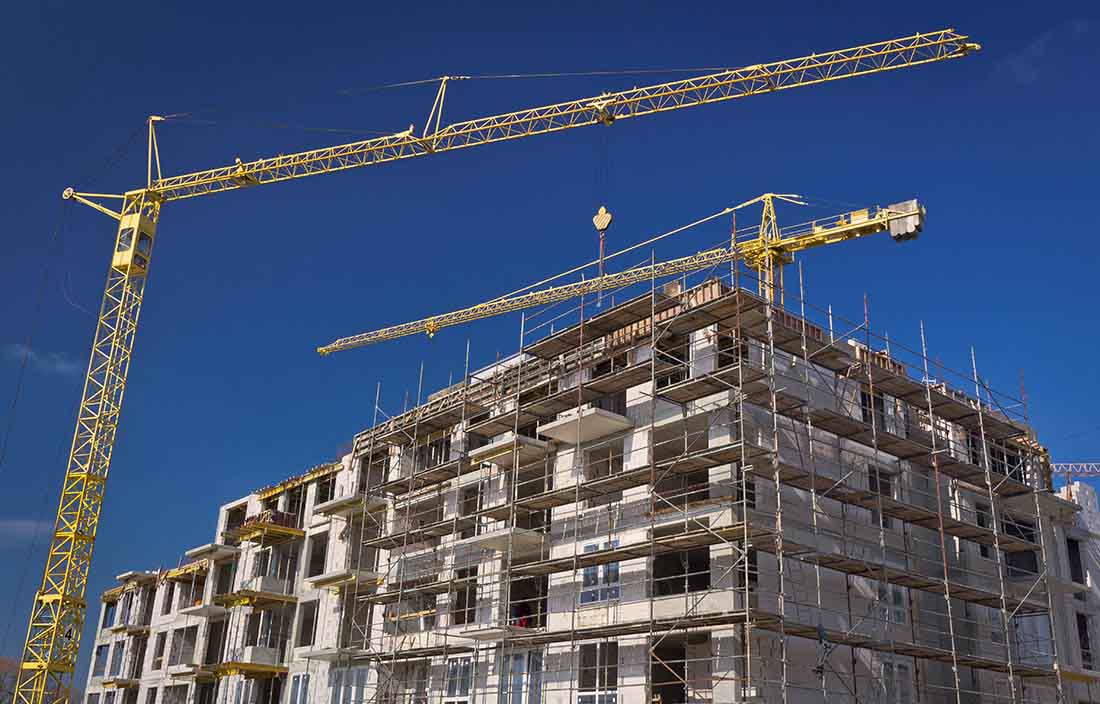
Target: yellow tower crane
{"x": 767, "y": 253}
{"x": 57, "y": 616}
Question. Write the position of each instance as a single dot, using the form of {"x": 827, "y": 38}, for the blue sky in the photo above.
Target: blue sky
{"x": 226, "y": 393}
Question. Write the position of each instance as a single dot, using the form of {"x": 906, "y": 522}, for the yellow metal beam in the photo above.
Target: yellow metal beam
{"x": 605, "y": 109}
{"x": 756, "y": 253}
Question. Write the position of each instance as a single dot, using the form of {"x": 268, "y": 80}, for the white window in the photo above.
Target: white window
{"x": 892, "y": 602}
{"x": 299, "y": 689}
{"x": 93, "y": 698}
{"x": 243, "y": 693}
{"x": 897, "y": 683}
{"x": 599, "y": 673}
{"x": 600, "y": 582}
{"x": 458, "y": 681}
{"x": 118, "y": 650}
{"x": 100, "y": 667}
{"x": 349, "y": 686}
{"x": 524, "y": 679}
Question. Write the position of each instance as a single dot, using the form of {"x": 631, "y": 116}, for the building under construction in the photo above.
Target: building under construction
{"x": 696, "y": 495}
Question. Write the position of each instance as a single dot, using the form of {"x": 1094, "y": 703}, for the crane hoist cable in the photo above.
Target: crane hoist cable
{"x": 59, "y": 609}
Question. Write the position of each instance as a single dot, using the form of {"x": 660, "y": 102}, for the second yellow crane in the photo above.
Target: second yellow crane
{"x": 766, "y": 254}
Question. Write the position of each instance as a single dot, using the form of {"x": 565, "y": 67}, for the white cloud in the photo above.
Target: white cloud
{"x": 19, "y": 530}
{"x": 1029, "y": 64}
{"x": 50, "y": 363}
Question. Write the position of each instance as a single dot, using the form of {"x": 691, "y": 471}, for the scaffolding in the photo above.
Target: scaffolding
{"x": 700, "y": 495}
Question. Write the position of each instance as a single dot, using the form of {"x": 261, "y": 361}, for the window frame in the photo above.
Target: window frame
{"x": 299, "y": 688}
{"x": 312, "y": 610}
{"x": 604, "y": 688}
{"x": 458, "y": 680}
{"x": 600, "y": 583}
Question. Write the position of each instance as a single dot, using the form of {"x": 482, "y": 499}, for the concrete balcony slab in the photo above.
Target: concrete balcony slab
{"x": 351, "y": 505}
{"x": 588, "y": 425}
{"x": 331, "y": 654}
{"x": 345, "y": 578}
{"x": 508, "y": 448}
{"x": 518, "y": 540}
{"x": 212, "y": 551}
{"x": 204, "y": 611}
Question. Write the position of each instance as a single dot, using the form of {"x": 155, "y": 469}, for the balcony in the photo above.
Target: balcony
{"x": 252, "y": 662}
{"x": 204, "y": 610}
{"x": 258, "y": 592}
{"x": 189, "y": 670}
{"x": 120, "y": 682}
{"x": 502, "y": 453}
{"x": 212, "y": 551}
{"x": 138, "y": 576}
{"x": 331, "y": 654}
{"x": 588, "y": 425}
{"x": 128, "y": 627}
{"x": 519, "y": 541}
{"x": 345, "y": 578}
{"x": 266, "y": 528}
{"x": 350, "y": 506}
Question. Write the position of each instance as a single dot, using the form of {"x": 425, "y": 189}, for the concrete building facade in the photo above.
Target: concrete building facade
{"x": 693, "y": 496}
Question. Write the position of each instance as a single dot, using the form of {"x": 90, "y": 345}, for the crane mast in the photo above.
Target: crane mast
{"x": 58, "y": 613}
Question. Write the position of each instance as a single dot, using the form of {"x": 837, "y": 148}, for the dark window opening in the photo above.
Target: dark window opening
{"x": 223, "y": 582}
{"x": 169, "y": 598}
{"x": 1023, "y": 563}
{"x": 206, "y": 692}
{"x": 668, "y": 673}
{"x": 434, "y": 452}
{"x": 614, "y": 403}
{"x": 464, "y": 609}
{"x": 99, "y": 668}
{"x": 1076, "y": 566}
{"x": 326, "y": 487}
{"x": 673, "y": 350}
{"x": 471, "y": 501}
{"x": 295, "y": 505}
{"x": 234, "y": 517}
{"x": 751, "y": 568}
{"x": 609, "y": 365}
{"x": 527, "y": 599}
{"x": 602, "y": 462}
{"x": 881, "y": 483}
{"x": 372, "y": 471}
{"x": 873, "y": 409}
{"x": 318, "y": 551}
{"x": 1084, "y": 640}
{"x": 215, "y": 642}
{"x": 598, "y": 673}
{"x": 109, "y": 611}
{"x": 158, "y": 650}
{"x": 984, "y": 515}
{"x": 731, "y": 351}
{"x": 681, "y": 572}
{"x": 307, "y": 623}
